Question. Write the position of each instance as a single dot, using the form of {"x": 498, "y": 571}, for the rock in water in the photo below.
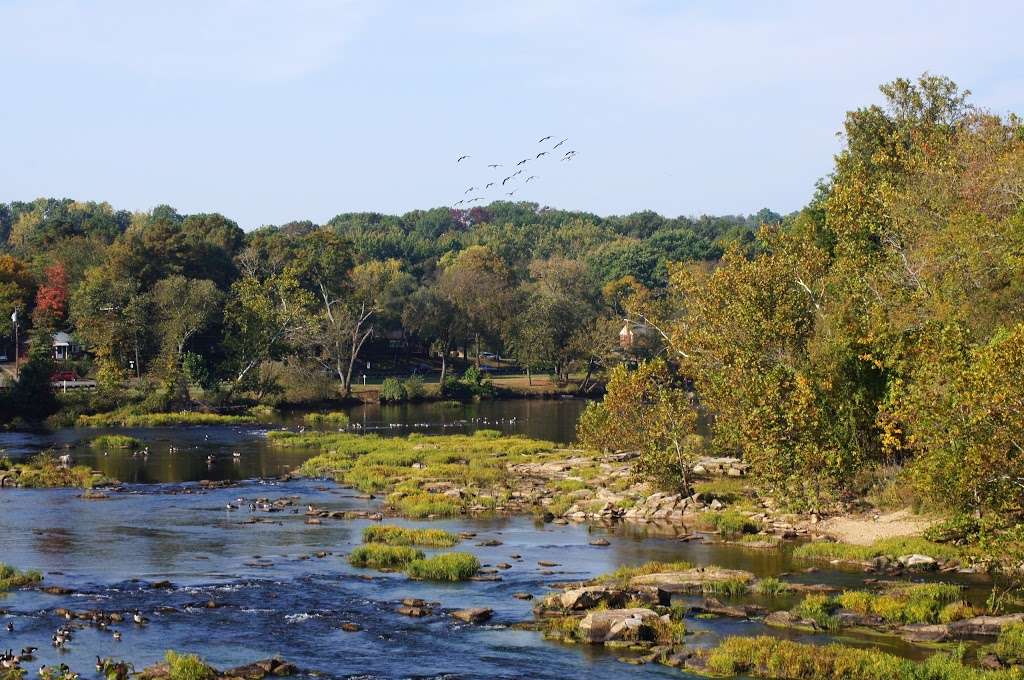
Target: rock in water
{"x": 473, "y": 614}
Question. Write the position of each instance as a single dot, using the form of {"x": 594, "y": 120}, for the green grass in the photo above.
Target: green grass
{"x": 396, "y": 535}
{"x": 891, "y": 547}
{"x": 115, "y": 441}
{"x": 44, "y": 471}
{"x": 770, "y": 587}
{"x": 333, "y": 418}
{"x": 122, "y": 419}
{"x": 777, "y": 659}
{"x": 12, "y": 578}
{"x": 444, "y": 567}
{"x": 187, "y": 667}
{"x": 820, "y": 609}
{"x": 733, "y": 523}
{"x": 1009, "y": 645}
{"x": 624, "y": 574}
{"x": 382, "y": 556}
{"x": 902, "y": 604}
{"x": 731, "y": 587}
{"x": 424, "y": 504}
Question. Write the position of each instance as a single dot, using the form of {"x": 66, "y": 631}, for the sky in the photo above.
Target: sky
{"x": 275, "y": 111}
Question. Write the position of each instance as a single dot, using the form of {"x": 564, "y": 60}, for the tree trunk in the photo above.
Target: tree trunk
{"x": 476, "y": 348}
{"x": 444, "y": 364}
{"x": 529, "y": 377}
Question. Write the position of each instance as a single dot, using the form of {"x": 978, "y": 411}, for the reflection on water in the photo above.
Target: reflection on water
{"x": 178, "y": 454}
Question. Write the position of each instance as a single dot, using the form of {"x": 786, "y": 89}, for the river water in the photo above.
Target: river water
{"x": 273, "y": 594}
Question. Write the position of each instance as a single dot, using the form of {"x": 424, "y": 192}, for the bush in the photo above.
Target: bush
{"x": 187, "y": 667}
{"x": 445, "y": 567}
{"x": 382, "y": 556}
{"x": 396, "y": 535}
{"x": 115, "y": 441}
{"x": 959, "y": 529}
{"x": 414, "y": 388}
{"x": 820, "y": 609}
{"x": 392, "y": 391}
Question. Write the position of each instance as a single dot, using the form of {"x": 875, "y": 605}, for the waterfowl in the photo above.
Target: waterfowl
{"x": 138, "y": 618}
{"x": 10, "y": 626}
{"x": 117, "y": 635}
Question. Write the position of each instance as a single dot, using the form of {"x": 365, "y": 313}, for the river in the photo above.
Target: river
{"x": 281, "y": 586}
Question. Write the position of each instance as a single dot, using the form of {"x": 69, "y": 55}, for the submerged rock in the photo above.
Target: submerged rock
{"x": 473, "y": 614}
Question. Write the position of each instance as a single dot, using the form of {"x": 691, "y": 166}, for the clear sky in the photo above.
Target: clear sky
{"x": 274, "y": 111}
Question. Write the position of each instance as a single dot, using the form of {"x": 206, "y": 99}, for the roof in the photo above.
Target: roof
{"x": 62, "y": 338}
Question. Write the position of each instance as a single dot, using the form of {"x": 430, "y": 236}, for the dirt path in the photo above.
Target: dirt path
{"x": 866, "y": 529}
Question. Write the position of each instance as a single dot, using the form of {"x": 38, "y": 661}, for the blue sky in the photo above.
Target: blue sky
{"x": 273, "y": 111}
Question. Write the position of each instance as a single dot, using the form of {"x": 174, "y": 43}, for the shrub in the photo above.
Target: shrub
{"x": 392, "y": 391}
{"x": 396, "y": 535}
{"x": 12, "y": 578}
{"x": 445, "y": 567}
{"x": 414, "y": 388}
{"x": 115, "y": 441}
{"x": 187, "y": 667}
{"x": 959, "y": 529}
{"x": 382, "y": 556}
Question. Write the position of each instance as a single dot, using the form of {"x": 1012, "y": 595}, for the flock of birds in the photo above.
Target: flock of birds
{"x": 515, "y": 172}
{"x": 11, "y": 661}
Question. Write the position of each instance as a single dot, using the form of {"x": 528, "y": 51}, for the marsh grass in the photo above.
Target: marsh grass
{"x": 770, "y": 587}
{"x": 1009, "y": 645}
{"x": 44, "y": 471}
{"x": 456, "y": 566}
{"x": 820, "y": 609}
{"x": 731, "y": 523}
{"x": 115, "y": 441}
{"x": 732, "y": 587}
{"x": 332, "y": 418}
{"x": 891, "y": 547}
{"x": 624, "y": 574}
{"x": 13, "y": 578}
{"x": 778, "y": 659}
{"x": 124, "y": 419}
{"x": 187, "y": 667}
{"x": 383, "y": 556}
{"x": 424, "y": 504}
{"x": 390, "y": 534}
{"x": 908, "y": 603}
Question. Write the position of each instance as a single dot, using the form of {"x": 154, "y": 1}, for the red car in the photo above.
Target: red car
{"x": 62, "y": 376}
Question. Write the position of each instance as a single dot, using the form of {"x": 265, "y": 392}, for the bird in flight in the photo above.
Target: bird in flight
{"x": 542, "y": 153}
{"x": 459, "y": 202}
{"x": 531, "y": 177}
{"x": 543, "y": 139}
{"x": 488, "y": 185}
{"x": 505, "y": 180}
{"x": 512, "y": 193}
{"x": 525, "y": 160}
{"x": 461, "y": 158}
{"x": 468, "y": 190}
{"x": 517, "y": 172}
{"x": 560, "y": 143}
{"x": 494, "y": 165}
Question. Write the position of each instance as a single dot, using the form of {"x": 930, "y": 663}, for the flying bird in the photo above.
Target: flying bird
{"x": 488, "y": 185}
{"x": 517, "y": 172}
{"x": 461, "y": 158}
{"x": 543, "y": 139}
{"x": 468, "y": 190}
{"x": 531, "y": 177}
{"x": 494, "y": 165}
{"x": 525, "y": 160}
{"x": 460, "y": 203}
{"x": 512, "y": 193}
{"x": 505, "y": 180}
{"x": 560, "y": 143}
{"x": 542, "y": 153}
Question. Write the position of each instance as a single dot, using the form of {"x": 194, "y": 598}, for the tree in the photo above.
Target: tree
{"x": 480, "y": 285}
{"x": 435, "y": 318}
{"x": 649, "y": 411}
{"x": 263, "y": 317}
{"x": 183, "y": 308}
{"x": 52, "y": 297}
{"x": 16, "y": 285}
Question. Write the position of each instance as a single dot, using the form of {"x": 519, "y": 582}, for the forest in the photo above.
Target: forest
{"x": 183, "y": 307}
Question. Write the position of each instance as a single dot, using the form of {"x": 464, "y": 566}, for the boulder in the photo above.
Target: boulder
{"x": 917, "y": 561}
{"x": 608, "y": 625}
{"x": 473, "y": 614}
{"x": 978, "y": 626}
{"x": 690, "y": 579}
{"x": 589, "y": 597}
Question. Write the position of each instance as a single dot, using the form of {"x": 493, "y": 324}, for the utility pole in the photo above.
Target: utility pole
{"x": 14, "y": 318}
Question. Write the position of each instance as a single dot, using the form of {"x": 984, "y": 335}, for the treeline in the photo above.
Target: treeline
{"x": 182, "y": 301}
{"x": 875, "y": 344}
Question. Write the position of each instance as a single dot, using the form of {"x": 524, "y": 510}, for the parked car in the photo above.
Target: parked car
{"x": 64, "y": 376}
{"x": 3, "y": 358}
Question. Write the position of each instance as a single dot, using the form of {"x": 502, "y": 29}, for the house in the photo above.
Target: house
{"x": 65, "y": 347}
{"x": 633, "y": 333}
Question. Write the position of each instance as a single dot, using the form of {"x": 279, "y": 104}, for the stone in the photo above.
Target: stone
{"x": 690, "y": 579}
{"x": 608, "y": 625}
{"x": 523, "y": 596}
{"x": 414, "y": 602}
{"x": 589, "y": 597}
{"x": 473, "y": 614}
{"x": 350, "y": 627}
{"x": 546, "y": 563}
{"x": 600, "y": 542}
{"x": 414, "y": 611}
{"x": 916, "y": 561}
